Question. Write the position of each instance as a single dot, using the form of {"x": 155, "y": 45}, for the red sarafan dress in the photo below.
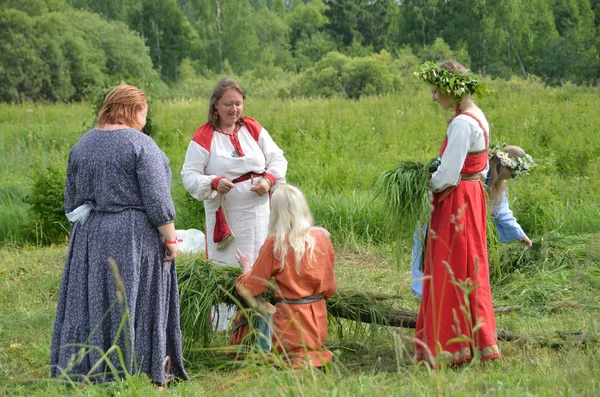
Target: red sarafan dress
{"x": 299, "y": 328}
{"x": 456, "y": 253}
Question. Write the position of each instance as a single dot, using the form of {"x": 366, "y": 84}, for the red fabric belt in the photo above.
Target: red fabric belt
{"x": 247, "y": 176}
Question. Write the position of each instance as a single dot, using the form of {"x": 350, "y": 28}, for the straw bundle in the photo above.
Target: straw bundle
{"x": 203, "y": 284}
{"x": 404, "y": 191}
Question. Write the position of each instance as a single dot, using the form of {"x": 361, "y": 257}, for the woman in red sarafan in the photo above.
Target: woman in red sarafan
{"x": 300, "y": 258}
{"x": 456, "y": 315}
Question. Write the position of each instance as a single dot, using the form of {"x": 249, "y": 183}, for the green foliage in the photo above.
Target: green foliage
{"x": 46, "y": 205}
{"x": 308, "y": 39}
{"x": 35, "y": 7}
{"x": 56, "y": 56}
{"x": 306, "y": 20}
{"x": 51, "y": 54}
{"x": 559, "y": 305}
{"x": 338, "y": 75}
{"x": 368, "y": 24}
{"x": 574, "y": 161}
{"x": 453, "y": 84}
{"x": 404, "y": 192}
{"x": 353, "y": 218}
{"x": 275, "y": 47}
{"x": 190, "y": 212}
{"x": 168, "y": 34}
{"x": 202, "y": 286}
{"x": 440, "y": 51}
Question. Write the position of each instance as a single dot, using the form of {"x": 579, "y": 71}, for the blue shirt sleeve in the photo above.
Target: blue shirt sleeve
{"x": 417, "y": 253}
{"x": 506, "y": 223}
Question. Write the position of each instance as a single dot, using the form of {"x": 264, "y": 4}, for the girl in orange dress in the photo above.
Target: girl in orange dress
{"x": 301, "y": 260}
{"x": 456, "y": 316}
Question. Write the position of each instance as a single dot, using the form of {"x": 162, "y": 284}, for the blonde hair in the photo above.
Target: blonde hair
{"x": 220, "y": 89}
{"x": 496, "y": 185}
{"x": 454, "y": 66}
{"x": 291, "y": 223}
{"x": 121, "y": 106}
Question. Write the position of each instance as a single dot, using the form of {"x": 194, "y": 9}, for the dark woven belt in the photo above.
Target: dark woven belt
{"x": 301, "y": 301}
{"x": 471, "y": 177}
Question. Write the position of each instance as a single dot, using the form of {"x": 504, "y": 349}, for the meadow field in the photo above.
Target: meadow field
{"x": 336, "y": 149}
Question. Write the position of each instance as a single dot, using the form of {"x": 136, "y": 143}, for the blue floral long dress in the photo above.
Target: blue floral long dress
{"x": 126, "y": 178}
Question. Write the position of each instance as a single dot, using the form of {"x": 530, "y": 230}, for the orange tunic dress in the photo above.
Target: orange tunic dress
{"x": 299, "y": 329}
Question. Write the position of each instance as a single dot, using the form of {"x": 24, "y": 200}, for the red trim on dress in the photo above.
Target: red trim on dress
{"x": 270, "y": 177}
{"x": 204, "y": 135}
{"x": 215, "y": 182}
{"x": 235, "y": 141}
{"x": 253, "y": 127}
{"x": 490, "y": 357}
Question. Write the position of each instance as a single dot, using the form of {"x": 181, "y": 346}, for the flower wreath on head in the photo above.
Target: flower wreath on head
{"x": 454, "y": 84}
{"x": 517, "y": 165}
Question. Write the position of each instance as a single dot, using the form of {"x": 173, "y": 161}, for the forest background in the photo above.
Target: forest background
{"x": 332, "y": 82}
{"x": 59, "y": 50}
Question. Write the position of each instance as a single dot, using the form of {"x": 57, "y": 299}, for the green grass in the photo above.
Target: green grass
{"x": 556, "y": 283}
{"x": 336, "y": 151}
{"x": 338, "y": 148}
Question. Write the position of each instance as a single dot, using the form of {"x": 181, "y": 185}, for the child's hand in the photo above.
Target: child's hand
{"x": 245, "y": 261}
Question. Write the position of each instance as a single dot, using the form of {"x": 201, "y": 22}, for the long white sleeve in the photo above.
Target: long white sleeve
{"x": 448, "y": 173}
{"x": 276, "y": 164}
{"x": 464, "y": 136}
{"x": 194, "y": 179}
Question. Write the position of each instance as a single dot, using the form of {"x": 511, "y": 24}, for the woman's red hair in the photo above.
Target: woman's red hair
{"x": 122, "y": 105}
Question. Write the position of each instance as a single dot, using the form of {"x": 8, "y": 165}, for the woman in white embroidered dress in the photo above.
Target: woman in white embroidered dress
{"x": 232, "y": 163}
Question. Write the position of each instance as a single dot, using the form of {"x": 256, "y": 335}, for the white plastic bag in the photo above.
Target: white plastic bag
{"x": 191, "y": 241}
{"x": 80, "y": 213}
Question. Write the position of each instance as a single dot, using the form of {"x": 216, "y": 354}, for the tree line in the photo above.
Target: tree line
{"x": 61, "y": 49}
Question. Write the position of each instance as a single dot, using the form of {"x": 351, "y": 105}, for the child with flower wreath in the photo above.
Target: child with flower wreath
{"x": 506, "y": 162}
{"x": 452, "y": 326}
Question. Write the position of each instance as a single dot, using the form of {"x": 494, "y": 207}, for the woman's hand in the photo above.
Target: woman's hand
{"x": 169, "y": 235}
{"x": 224, "y": 186}
{"x": 245, "y": 261}
{"x": 525, "y": 240}
{"x": 261, "y": 187}
{"x": 171, "y": 250}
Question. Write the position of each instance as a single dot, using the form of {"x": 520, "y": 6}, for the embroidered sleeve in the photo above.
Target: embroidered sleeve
{"x": 195, "y": 181}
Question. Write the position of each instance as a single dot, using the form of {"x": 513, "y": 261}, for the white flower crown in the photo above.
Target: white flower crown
{"x": 517, "y": 165}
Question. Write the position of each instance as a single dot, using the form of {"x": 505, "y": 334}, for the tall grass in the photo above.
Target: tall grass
{"x": 338, "y": 148}
{"x": 556, "y": 283}
{"x": 32, "y": 137}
